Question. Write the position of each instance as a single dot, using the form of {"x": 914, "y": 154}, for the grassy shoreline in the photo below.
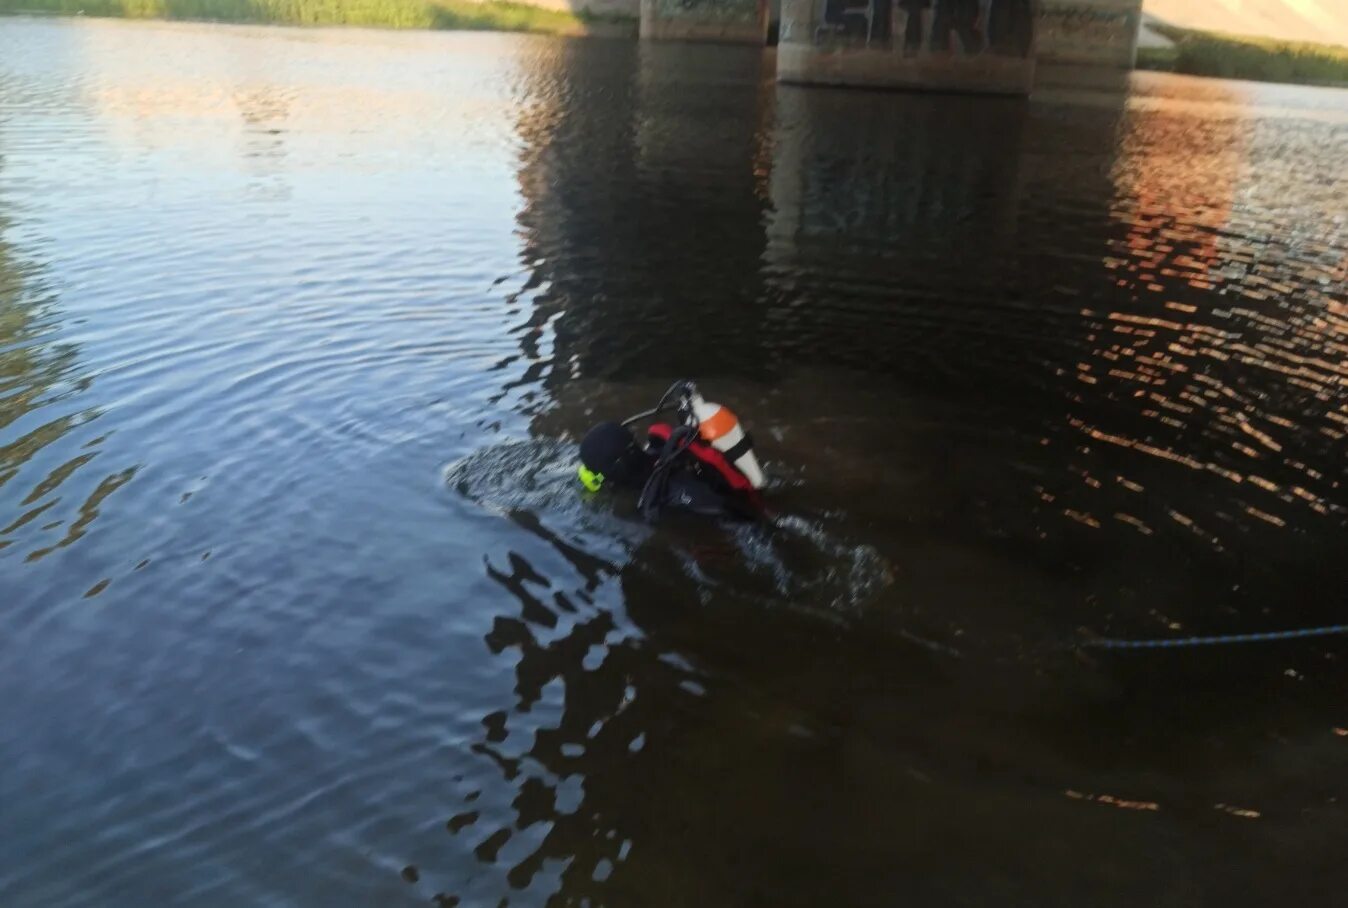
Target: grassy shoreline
{"x": 459, "y": 15}
{"x": 1224, "y": 56}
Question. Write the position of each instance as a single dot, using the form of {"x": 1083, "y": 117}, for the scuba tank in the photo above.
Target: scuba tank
{"x": 722, "y": 430}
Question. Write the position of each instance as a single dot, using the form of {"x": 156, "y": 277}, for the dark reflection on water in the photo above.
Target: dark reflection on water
{"x": 50, "y": 437}
{"x": 297, "y": 330}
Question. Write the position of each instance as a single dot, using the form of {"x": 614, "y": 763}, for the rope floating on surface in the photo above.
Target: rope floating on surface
{"x": 1223, "y": 640}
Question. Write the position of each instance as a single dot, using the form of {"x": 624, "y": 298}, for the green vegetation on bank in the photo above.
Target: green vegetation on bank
{"x": 1225, "y": 56}
{"x": 490, "y": 15}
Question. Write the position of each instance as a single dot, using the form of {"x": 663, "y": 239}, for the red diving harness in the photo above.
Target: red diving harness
{"x": 708, "y": 457}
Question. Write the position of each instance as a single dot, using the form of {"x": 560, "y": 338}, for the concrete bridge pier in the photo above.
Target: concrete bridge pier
{"x": 1096, "y": 33}
{"x": 975, "y": 46}
{"x": 724, "y": 21}
{"x": 1087, "y": 43}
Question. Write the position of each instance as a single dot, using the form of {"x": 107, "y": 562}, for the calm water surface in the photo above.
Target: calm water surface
{"x": 299, "y": 604}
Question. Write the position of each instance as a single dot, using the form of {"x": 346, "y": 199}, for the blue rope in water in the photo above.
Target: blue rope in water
{"x": 1329, "y": 631}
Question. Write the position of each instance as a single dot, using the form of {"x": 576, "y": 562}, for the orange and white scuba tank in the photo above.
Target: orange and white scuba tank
{"x": 722, "y": 430}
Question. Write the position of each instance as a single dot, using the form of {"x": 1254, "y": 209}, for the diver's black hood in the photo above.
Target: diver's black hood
{"x": 609, "y": 449}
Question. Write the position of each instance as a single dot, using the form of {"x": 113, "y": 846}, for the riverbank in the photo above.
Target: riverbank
{"x": 459, "y": 15}
{"x": 1201, "y": 53}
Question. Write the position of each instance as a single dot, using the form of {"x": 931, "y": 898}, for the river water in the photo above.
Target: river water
{"x": 300, "y": 604}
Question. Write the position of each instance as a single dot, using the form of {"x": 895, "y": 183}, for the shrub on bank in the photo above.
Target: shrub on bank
{"x": 1237, "y": 57}
{"x": 491, "y": 15}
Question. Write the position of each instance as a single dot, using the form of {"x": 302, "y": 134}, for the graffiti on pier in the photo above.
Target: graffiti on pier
{"x": 919, "y": 28}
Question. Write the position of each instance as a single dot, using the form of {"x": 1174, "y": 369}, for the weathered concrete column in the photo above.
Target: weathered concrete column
{"x": 726, "y": 21}
{"x": 978, "y": 46}
{"x": 1101, "y": 33}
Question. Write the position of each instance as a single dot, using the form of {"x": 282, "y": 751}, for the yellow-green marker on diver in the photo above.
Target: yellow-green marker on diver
{"x": 590, "y": 479}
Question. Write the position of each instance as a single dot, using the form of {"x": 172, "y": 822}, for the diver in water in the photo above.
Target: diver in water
{"x": 705, "y": 465}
